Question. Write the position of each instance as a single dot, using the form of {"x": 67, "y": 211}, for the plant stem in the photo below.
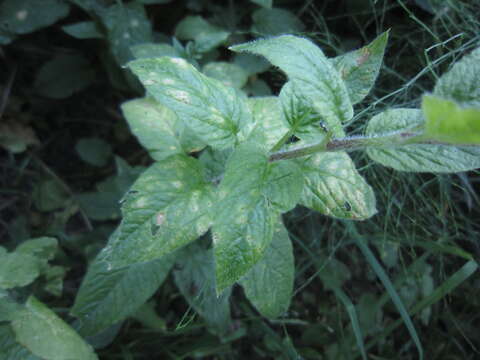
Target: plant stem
{"x": 357, "y": 143}
{"x": 282, "y": 141}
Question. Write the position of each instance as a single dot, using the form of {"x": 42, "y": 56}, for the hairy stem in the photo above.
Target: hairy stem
{"x": 357, "y": 143}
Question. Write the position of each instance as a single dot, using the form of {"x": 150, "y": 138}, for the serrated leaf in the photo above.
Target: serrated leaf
{"x": 108, "y": 296}
{"x": 302, "y": 119}
{"x": 127, "y": 25}
{"x": 46, "y": 335}
{"x": 314, "y": 76}
{"x": 359, "y": 69}
{"x": 167, "y": 207}
{"x": 229, "y": 74}
{"x": 251, "y": 195}
{"x": 462, "y": 82}
{"x": 158, "y": 129}
{"x": 273, "y": 21}
{"x": 10, "y": 349}
{"x": 269, "y": 123}
{"x": 449, "y": 122}
{"x": 215, "y": 112}
{"x": 83, "y": 30}
{"x": 153, "y": 50}
{"x": 334, "y": 187}
{"x": 269, "y": 284}
{"x": 284, "y": 184}
{"x": 421, "y": 157}
{"x": 26, "y": 16}
{"x": 195, "y": 278}
{"x": 206, "y": 36}
{"x": 17, "y": 269}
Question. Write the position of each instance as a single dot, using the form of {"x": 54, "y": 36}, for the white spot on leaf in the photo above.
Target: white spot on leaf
{"x": 177, "y": 184}
{"x": 168, "y": 81}
{"x": 160, "y": 219}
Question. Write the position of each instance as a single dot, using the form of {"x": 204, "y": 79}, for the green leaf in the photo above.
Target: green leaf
{"x": 462, "y": 82}
{"x": 17, "y": 269}
{"x": 206, "y": 36}
{"x": 258, "y": 87}
{"x": 54, "y": 276}
{"x": 127, "y": 25}
{"x": 83, "y": 30}
{"x": 77, "y": 75}
{"x": 147, "y": 315}
{"x": 215, "y": 112}
{"x": 301, "y": 117}
{"x": 8, "y": 307}
{"x": 158, "y": 129}
{"x": 49, "y": 195}
{"x": 46, "y": 335}
{"x": 195, "y": 279}
{"x": 10, "y": 349}
{"x": 359, "y": 69}
{"x": 42, "y": 248}
{"x": 94, "y": 151}
{"x": 229, "y": 74}
{"x": 418, "y": 158}
{"x": 314, "y": 76}
{"x": 334, "y": 187}
{"x": 269, "y": 284}
{"x": 332, "y": 272}
{"x": 273, "y": 21}
{"x": 214, "y": 162}
{"x": 264, "y": 3}
{"x": 153, "y": 50}
{"x": 104, "y": 204}
{"x": 167, "y": 207}
{"x": 251, "y": 64}
{"x": 447, "y": 121}
{"x": 251, "y": 195}
{"x": 26, "y": 16}
{"x": 270, "y": 125}
{"x": 107, "y": 296}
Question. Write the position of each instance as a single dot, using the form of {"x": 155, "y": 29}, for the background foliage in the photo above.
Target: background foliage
{"x": 68, "y": 156}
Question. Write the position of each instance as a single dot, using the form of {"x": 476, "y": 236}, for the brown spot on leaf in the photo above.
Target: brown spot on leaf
{"x": 364, "y": 55}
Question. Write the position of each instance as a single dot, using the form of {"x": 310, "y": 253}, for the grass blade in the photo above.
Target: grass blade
{"x": 370, "y": 257}
{"x": 440, "y": 292}
{"x": 353, "y": 319}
